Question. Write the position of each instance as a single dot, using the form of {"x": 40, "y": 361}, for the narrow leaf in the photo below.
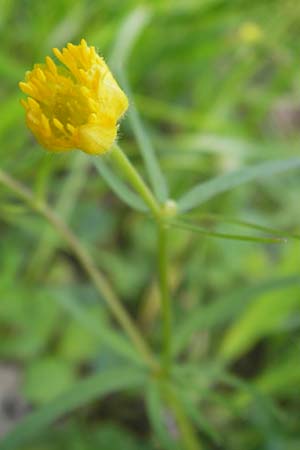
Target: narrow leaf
{"x": 110, "y": 337}
{"x": 209, "y": 189}
{"x": 281, "y": 378}
{"x": 118, "y": 186}
{"x": 237, "y": 237}
{"x": 224, "y": 309}
{"x": 242, "y": 223}
{"x": 128, "y": 34}
{"x": 80, "y": 395}
{"x": 155, "y": 174}
{"x": 250, "y": 392}
{"x": 266, "y": 315}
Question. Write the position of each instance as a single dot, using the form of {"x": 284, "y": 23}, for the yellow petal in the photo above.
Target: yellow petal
{"x": 96, "y": 139}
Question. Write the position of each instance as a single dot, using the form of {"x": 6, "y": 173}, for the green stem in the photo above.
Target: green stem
{"x": 136, "y": 181}
{"x": 188, "y": 436}
{"x": 88, "y": 265}
{"x": 141, "y": 188}
{"x": 166, "y": 306}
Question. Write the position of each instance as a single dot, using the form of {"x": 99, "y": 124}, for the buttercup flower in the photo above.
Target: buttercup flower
{"x": 76, "y": 104}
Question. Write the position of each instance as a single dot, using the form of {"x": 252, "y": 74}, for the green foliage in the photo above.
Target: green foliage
{"x": 79, "y": 395}
{"x": 46, "y": 379}
{"x": 213, "y": 123}
{"x": 266, "y": 315}
{"x": 80, "y": 437}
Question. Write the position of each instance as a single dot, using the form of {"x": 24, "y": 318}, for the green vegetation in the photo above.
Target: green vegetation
{"x": 213, "y": 124}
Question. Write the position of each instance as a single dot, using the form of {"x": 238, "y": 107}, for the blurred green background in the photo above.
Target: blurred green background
{"x": 217, "y": 84}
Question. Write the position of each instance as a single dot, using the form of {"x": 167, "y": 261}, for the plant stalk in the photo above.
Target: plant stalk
{"x": 127, "y": 169}
{"x": 166, "y": 306}
{"x": 136, "y": 181}
{"x": 189, "y": 438}
{"x": 88, "y": 265}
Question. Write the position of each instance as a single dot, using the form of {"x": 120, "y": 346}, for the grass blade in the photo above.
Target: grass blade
{"x": 209, "y": 189}
{"x": 80, "y": 395}
{"x": 251, "y": 392}
{"x": 265, "y": 316}
{"x": 116, "y": 341}
{"x": 281, "y": 378}
{"x": 224, "y": 309}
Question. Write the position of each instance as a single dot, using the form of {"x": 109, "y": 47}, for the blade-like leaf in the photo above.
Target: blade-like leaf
{"x": 118, "y": 186}
{"x": 128, "y": 34}
{"x": 266, "y": 315}
{"x": 237, "y": 237}
{"x": 81, "y": 394}
{"x": 209, "y": 189}
{"x": 224, "y": 309}
{"x": 155, "y": 174}
{"x": 109, "y": 336}
{"x": 281, "y": 378}
{"x": 250, "y": 392}
{"x": 242, "y": 223}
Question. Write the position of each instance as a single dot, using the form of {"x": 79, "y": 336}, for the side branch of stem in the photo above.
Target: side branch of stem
{"x": 88, "y": 265}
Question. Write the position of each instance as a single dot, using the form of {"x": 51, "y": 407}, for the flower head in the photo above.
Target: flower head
{"x": 76, "y": 104}
{"x": 250, "y": 33}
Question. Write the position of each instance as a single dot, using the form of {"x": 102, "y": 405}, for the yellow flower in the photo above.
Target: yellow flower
{"x": 250, "y": 33}
{"x": 74, "y": 105}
